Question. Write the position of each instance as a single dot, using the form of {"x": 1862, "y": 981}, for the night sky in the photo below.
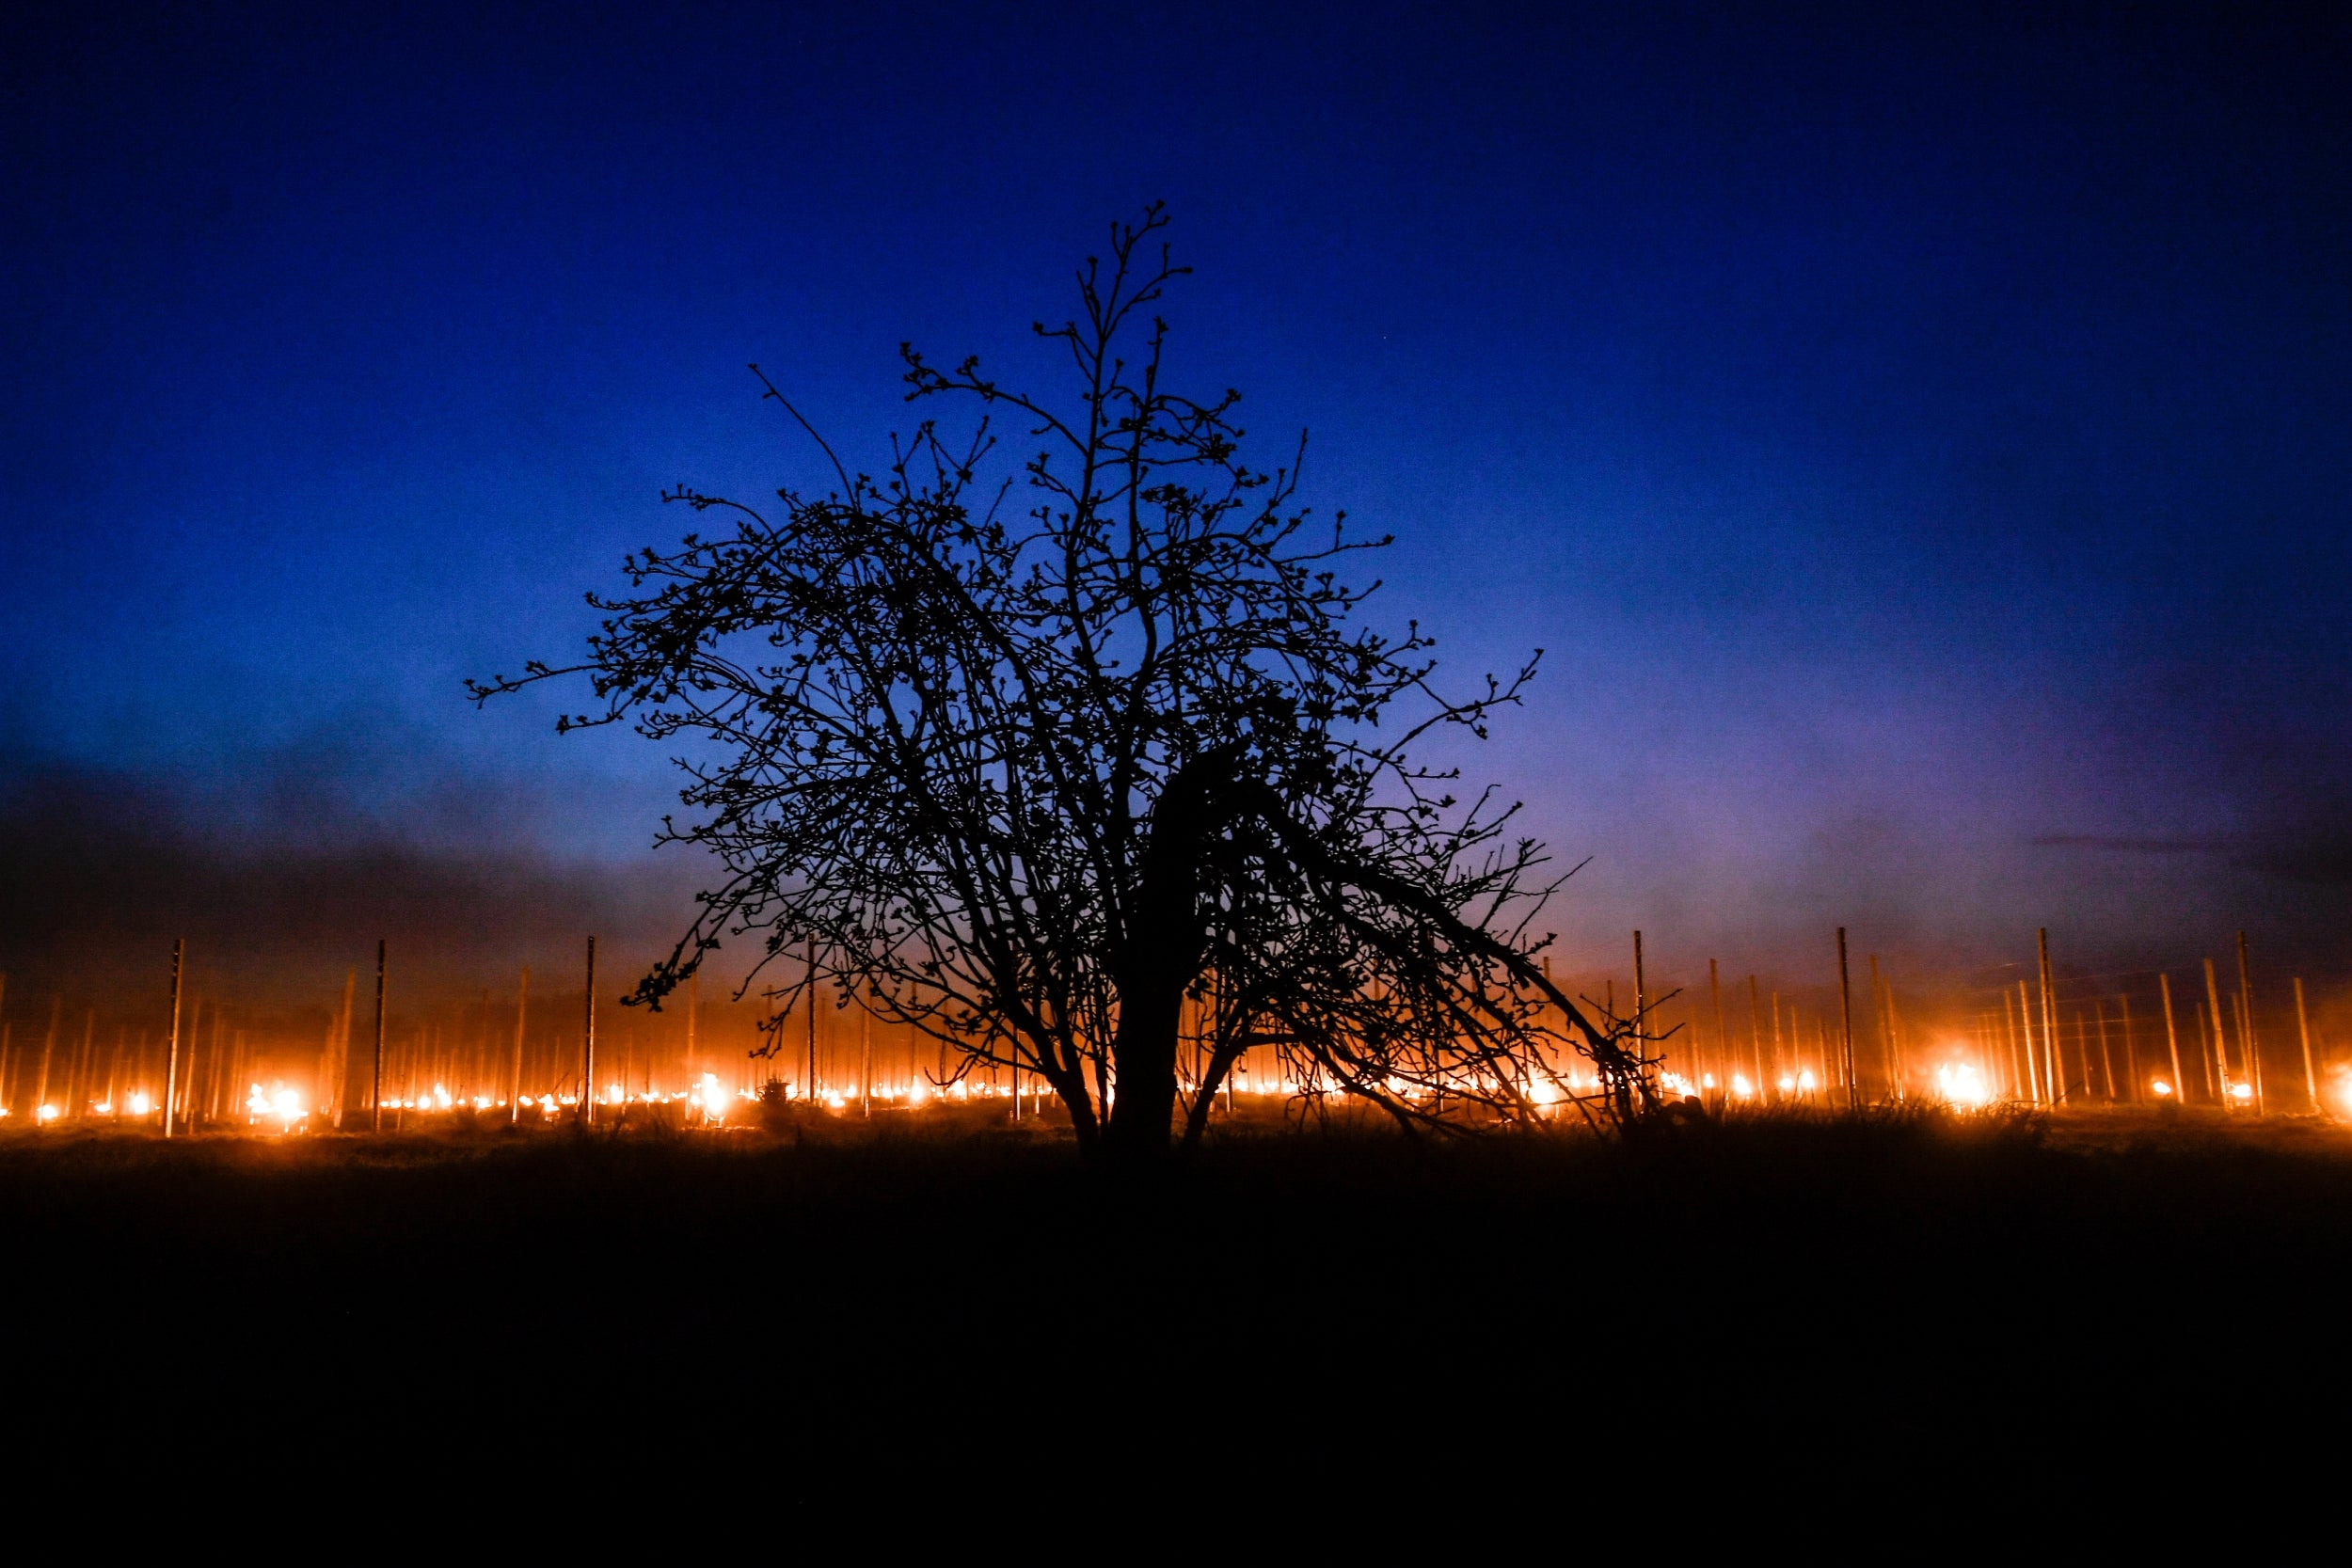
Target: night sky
{"x": 1920, "y": 448}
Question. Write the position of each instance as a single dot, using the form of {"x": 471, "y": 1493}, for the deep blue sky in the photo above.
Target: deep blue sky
{"x": 1913, "y": 444}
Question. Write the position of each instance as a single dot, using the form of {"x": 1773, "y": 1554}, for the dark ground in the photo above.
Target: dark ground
{"x": 1777, "y": 1297}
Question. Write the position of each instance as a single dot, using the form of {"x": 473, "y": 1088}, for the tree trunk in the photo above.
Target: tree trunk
{"x": 1160, "y": 957}
{"x": 1141, "y": 1125}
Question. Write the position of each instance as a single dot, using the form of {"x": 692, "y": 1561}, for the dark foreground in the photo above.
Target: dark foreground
{"x": 1775, "y": 1297}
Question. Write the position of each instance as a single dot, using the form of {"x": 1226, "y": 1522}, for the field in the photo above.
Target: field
{"x": 773, "y": 1304}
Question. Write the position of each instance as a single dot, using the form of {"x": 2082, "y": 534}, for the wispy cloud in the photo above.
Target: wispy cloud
{"x": 2318, "y": 858}
{"x": 2135, "y": 846}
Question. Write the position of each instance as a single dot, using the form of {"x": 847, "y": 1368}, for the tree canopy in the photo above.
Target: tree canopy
{"x": 1071, "y": 714}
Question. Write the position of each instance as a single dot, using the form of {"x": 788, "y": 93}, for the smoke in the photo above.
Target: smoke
{"x": 2132, "y": 845}
{"x": 283, "y": 880}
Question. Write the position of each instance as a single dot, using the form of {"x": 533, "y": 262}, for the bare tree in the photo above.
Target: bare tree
{"x": 1026, "y": 776}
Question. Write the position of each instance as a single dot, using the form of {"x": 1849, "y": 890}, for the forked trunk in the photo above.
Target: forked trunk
{"x": 1161, "y": 957}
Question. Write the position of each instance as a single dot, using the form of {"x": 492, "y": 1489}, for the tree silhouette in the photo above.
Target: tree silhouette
{"x": 1029, "y": 776}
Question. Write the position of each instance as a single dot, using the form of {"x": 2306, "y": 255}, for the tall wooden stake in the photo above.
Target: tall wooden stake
{"x": 77, "y": 1095}
{"x": 2173, "y": 1039}
{"x": 2105, "y": 1054}
{"x": 2217, "y": 1092}
{"x": 1723, "y": 1046}
{"x": 1887, "y": 1030}
{"x": 2248, "y": 1037}
{"x": 48, "y": 1049}
{"x": 1641, "y": 994}
{"x": 812, "y": 1019}
{"x": 588, "y": 1044}
{"x": 2221, "y": 1040}
{"x": 2310, "y": 1074}
{"x": 1845, "y": 1003}
{"x": 1755, "y": 1037}
{"x": 515, "y": 1084}
{"x": 2033, "y": 1058}
{"x": 2016, "y": 1052}
{"x": 171, "y": 1058}
{"x": 339, "y": 1077}
{"x": 1898, "y": 1034}
{"x": 2049, "y": 1020}
{"x": 2243, "y": 1018}
{"x": 2131, "y": 1049}
{"x": 375, "y": 1075}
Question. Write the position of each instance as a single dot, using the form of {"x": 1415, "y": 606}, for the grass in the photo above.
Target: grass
{"x": 1716, "y": 1290}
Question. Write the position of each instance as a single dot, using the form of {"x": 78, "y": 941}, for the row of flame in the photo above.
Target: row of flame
{"x": 1956, "y": 1083}
{"x": 714, "y": 1102}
